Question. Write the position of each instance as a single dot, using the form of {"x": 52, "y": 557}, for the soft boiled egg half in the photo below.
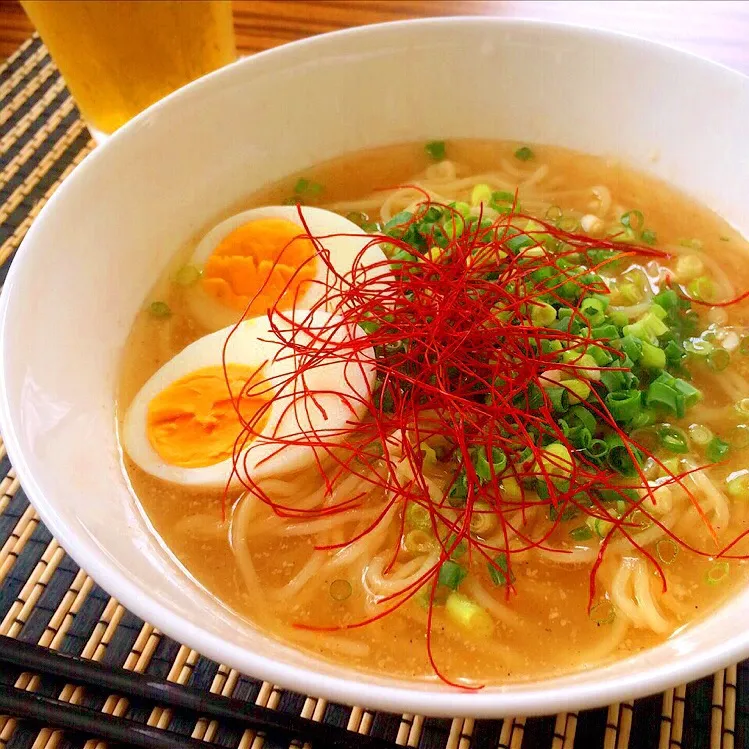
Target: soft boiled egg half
{"x": 183, "y": 426}
{"x": 265, "y": 259}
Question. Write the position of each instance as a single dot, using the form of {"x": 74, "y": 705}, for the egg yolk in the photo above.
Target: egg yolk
{"x": 193, "y": 422}
{"x": 260, "y": 257}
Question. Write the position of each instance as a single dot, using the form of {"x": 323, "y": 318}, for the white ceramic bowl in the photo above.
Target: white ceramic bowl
{"x": 96, "y": 248}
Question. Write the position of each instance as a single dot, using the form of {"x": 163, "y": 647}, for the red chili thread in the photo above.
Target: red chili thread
{"x": 449, "y": 347}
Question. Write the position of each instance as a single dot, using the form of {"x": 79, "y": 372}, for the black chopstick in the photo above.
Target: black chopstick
{"x": 58, "y": 714}
{"x": 90, "y": 673}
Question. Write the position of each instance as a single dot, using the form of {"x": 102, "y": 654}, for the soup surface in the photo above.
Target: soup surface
{"x": 596, "y": 521}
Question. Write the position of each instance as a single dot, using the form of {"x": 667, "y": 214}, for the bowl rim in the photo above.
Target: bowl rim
{"x": 545, "y": 697}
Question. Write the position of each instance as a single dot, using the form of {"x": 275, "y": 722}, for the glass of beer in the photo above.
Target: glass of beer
{"x": 120, "y": 56}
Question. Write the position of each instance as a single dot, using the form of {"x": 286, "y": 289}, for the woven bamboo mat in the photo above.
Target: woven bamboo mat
{"x": 45, "y": 598}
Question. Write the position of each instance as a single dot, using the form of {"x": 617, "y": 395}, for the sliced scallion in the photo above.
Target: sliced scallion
{"x": 307, "y": 188}
{"x": 633, "y": 220}
{"x": 581, "y": 533}
{"x": 468, "y": 615}
{"x": 160, "y": 309}
{"x": 718, "y": 359}
{"x": 451, "y": 574}
{"x": 624, "y": 405}
{"x": 700, "y": 434}
{"x": 717, "y": 573}
{"x": 597, "y": 449}
{"x": 603, "y": 613}
{"x": 187, "y": 275}
{"x": 436, "y": 149}
{"x": 340, "y": 590}
{"x": 667, "y": 551}
{"x": 673, "y": 439}
{"x": 717, "y": 449}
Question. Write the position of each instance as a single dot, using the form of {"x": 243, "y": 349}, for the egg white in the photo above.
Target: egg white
{"x": 341, "y": 389}
{"x": 344, "y": 251}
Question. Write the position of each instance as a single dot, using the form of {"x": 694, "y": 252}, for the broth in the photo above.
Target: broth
{"x": 543, "y": 627}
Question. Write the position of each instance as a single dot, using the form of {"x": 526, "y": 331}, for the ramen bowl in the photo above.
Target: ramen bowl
{"x": 86, "y": 265}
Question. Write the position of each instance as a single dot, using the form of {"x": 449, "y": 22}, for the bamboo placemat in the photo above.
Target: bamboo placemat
{"x": 45, "y": 598}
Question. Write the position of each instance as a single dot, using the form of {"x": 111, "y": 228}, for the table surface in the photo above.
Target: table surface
{"x": 717, "y": 30}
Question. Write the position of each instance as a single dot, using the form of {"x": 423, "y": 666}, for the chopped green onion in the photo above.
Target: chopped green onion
{"x": 629, "y": 293}
{"x": 597, "y": 449}
{"x": 744, "y": 345}
{"x": 524, "y": 153}
{"x": 501, "y": 196}
{"x": 436, "y": 149}
{"x": 511, "y": 488}
{"x": 362, "y": 221}
{"x": 701, "y": 288}
{"x": 582, "y": 533}
{"x": 451, "y": 574}
{"x": 659, "y": 311}
{"x": 454, "y": 226}
{"x": 717, "y": 449}
{"x": 633, "y": 220}
{"x": 160, "y": 309}
{"x": 306, "y": 187}
{"x": 604, "y": 332}
{"x": 340, "y": 590}
{"x": 418, "y": 541}
{"x": 484, "y": 469}
{"x": 692, "y": 395}
{"x": 718, "y": 359}
{"x": 652, "y": 356}
{"x": 740, "y": 436}
{"x": 568, "y": 224}
{"x": 700, "y": 434}
{"x": 693, "y": 244}
{"x": 542, "y": 314}
{"x": 737, "y": 484}
{"x": 619, "y": 234}
{"x": 632, "y": 347}
{"x": 673, "y": 439}
{"x": 499, "y": 570}
{"x": 585, "y": 366}
{"x": 664, "y": 394}
{"x": 600, "y": 526}
{"x": 187, "y": 275}
{"x": 599, "y": 355}
{"x": 668, "y": 300}
{"x": 577, "y": 390}
{"x": 559, "y": 398}
{"x": 698, "y": 347}
{"x": 688, "y": 267}
{"x": 603, "y": 613}
{"x": 717, "y": 573}
{"x": 469, "y": 615}
{"x": 624, "y": 405}
{"x": 643, "y": 418}
{"x": 667, "y": 551}
{"x": 481, "y": 194}
{"x": 649, "y": 237}
{"x": 418, "y": 517}
{"x": 458, "y": 549}
{"x": 556, "y": 461}
{"x": 483, "y": 519}
{"x": 594, "y": 310}
{"x": 619, "y": 458}
{"x": 647, "y": 328}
